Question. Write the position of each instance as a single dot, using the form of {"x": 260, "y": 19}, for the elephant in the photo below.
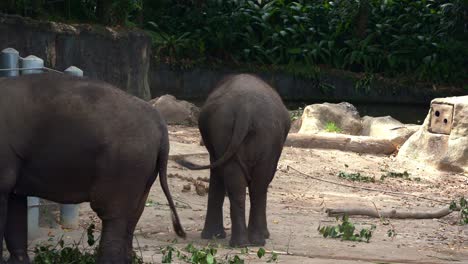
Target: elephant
{"x": 243, "y": 125}
{"x": 72, "y": 140}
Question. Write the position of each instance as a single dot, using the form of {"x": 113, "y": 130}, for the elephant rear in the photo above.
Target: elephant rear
{"x": 72, "y": 140}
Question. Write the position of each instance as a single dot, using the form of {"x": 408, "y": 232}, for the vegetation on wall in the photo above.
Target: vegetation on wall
{"x": 424, "y": 40}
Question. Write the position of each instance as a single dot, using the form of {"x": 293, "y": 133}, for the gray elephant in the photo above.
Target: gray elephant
{"x": 243, "y": 124}
{"x": 72, "y": 140}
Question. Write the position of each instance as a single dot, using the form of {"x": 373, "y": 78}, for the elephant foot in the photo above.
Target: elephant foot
{"x": 239, "y": 242}
{"x": 19, "y": 257}
{"x": 257, "y": 239}
{"x": 213, "y": 233}
{"x": 266, "y": 233}
{"x": 19, "y": 260}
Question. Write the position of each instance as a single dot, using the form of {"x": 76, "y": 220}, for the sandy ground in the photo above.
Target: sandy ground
{"x": 296, "y": 208}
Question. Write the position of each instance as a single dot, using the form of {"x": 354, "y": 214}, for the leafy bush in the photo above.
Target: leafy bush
{"x": 72, "y": 254}
{"x": 425, "y": 39}
{"x": 355, "y": 177}
{"x": 422, "y": 40}
{"x": 208, "y": 255}
{"x": 463, "y": 206}
{"x": 345, "y": 231}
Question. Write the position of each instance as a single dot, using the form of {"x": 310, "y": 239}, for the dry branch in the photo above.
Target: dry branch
{"x": 393, "y": 213}
{"x": 359, "y": 144}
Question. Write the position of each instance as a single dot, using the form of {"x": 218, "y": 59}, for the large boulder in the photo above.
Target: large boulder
{"x": 442, "y": 141}
{"x": 344, "y": 115}
{"x": 176, "y": 111}
{"x": 387, "y": 127}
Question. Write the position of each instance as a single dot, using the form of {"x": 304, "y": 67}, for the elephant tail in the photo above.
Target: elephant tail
{"x": 162, "y": 165}
{"x": 240, "y": 131}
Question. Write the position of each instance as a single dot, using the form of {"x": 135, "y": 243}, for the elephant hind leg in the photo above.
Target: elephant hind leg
{"x": 8, "y": 176}
{"x": 214, "y": 227}
{"x": 131, "y": 225}
{"x": 262, "y": 175}
{"x": 236, "y": 185}
{"x": 113, "y": 244}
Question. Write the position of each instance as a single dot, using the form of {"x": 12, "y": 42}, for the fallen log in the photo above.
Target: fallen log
{"x": 359, "y": 144}
{"x": 393, "y": 213}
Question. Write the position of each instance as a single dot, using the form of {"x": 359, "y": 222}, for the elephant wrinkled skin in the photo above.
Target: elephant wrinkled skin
{"x": 72, "y": 140}
{"x": 243, "y": 124}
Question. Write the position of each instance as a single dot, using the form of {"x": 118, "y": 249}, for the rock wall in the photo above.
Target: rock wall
{"x": 334, "y": 86}
{"x": 118, "y": 56}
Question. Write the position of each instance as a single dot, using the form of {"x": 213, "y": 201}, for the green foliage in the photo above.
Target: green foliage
{"x": 365, "y": 83}
{"x": 425, "y": 39}
{"x": 60, "y": 253}
{"x": 332, "y": 127}
{"x": 421, "y": 40}
{"x": 208, "y": 255}
{"x": 345, "y": 231}
{"x": 399, "y": 175}
{"x": 355, "y": 177}
{"x": 463, "y": 206}
{"x": 296, "y": 114}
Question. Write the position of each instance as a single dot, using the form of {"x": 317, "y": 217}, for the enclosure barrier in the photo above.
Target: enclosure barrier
{"x": 11, "y": 65}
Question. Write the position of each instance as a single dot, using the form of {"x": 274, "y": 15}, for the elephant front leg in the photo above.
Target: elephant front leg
{"x": 214, "y": 227}
{"x": 16, "y": 233}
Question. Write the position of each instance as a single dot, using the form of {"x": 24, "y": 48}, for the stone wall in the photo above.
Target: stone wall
{"x": 118, "y": 56}
{"x": 334, "y": 86}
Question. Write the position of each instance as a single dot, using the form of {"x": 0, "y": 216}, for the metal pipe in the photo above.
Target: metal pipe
{"x": 69, "y": 213}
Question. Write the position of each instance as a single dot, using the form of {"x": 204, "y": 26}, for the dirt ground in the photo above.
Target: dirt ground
{"x": 296, "y": 208}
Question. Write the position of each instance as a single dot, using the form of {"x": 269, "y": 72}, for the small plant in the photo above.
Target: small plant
{"x": 365, "y": 83}
{"x": 332, "y": 128}
{"x": 401, "y": 175}
{"x": 463, "y": 207}
{"x": 151, "y": 203}
{"x": 355, "y": 177}
{"x": 60, "y": 253}
{"x": 208, "y": 255}
{"x": 296, "y": 114}
{"x": 391, "y": 232}
{"x": 345, "y": 231}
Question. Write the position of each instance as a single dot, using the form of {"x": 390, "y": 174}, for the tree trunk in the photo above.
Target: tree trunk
{"x": 103, "y": 11}
{"x": 362, "y": 19}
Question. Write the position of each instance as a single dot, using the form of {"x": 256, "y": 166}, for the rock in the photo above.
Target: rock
{"x": 442, "y": 140}
{"x": 387, "y": 127}
{"x": 344, "y": 115}
{"x": 295, "y": 125}
{"x": 187, "y": 187}
{"x": 176, "y": 111}
{"x": 116, "y": 55}
{"x": 200, "y": 188}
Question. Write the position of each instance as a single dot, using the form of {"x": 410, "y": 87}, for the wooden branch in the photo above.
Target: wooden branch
{"x": 359, "y": 144}
{"x": 393, "y": 213}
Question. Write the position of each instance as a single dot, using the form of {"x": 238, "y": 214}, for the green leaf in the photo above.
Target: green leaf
{"x": 210, "y": 259}
{"x": 261, "y": 252}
